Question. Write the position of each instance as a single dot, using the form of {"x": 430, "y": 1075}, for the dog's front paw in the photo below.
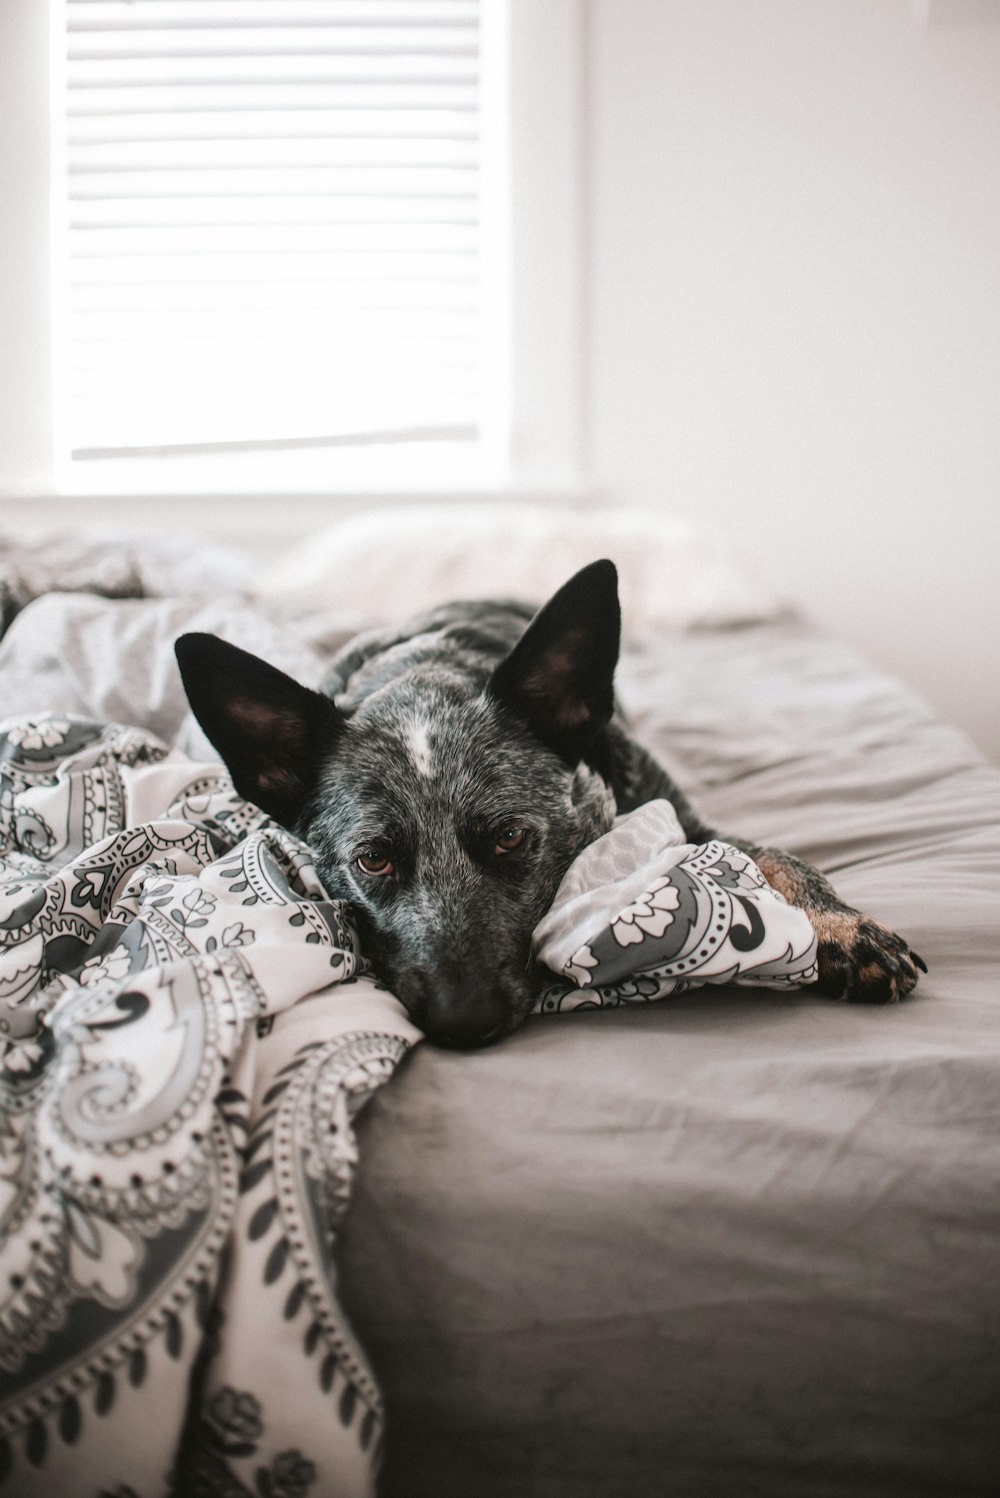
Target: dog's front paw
{"x": 861, "y": 961}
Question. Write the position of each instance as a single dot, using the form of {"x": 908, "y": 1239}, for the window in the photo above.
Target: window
{"x": 272, "y": 224}
{"x": 117, "y": 175}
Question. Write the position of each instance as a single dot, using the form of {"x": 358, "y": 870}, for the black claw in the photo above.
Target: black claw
{"x": 921, "y": 964}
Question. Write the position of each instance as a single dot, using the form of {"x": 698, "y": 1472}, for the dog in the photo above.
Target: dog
{"x": 447, "y": 775}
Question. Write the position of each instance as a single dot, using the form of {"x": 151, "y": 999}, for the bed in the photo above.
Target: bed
{"x": 728, "y": 1242}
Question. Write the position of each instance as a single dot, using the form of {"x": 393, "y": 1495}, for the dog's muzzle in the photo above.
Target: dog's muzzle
{"x": 453, "y": 1011}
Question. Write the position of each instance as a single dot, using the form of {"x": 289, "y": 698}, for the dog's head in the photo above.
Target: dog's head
{"x": 446, "y": 806}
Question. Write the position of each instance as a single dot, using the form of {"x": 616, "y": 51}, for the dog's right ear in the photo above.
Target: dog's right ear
{"x": 272, "y": 733}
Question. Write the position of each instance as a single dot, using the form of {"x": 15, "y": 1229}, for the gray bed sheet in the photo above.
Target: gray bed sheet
{"x": 730, "y": 1243}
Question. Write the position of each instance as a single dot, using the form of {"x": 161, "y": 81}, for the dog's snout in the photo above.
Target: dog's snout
{"x": 464, "y": 1038}
{"x": 452, "y": 1012}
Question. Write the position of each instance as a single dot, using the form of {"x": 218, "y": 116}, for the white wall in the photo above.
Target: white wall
{"x": 794, "y": 306}
{"x": 25, "y": 420}
{"x": 791, "y": 305}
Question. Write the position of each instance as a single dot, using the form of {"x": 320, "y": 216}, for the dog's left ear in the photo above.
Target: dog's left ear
{"x": 560, "y": 674}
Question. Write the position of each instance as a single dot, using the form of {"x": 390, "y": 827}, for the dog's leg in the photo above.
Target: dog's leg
{"x": 858, "y": 959}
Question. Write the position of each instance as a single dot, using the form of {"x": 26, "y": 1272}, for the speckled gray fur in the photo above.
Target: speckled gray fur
{"x": 450, "y": 931}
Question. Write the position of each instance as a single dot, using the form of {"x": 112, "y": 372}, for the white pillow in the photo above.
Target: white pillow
{"x": 392, "y": 562}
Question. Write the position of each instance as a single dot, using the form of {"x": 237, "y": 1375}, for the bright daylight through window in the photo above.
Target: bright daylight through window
{"x": 269, "y": 225}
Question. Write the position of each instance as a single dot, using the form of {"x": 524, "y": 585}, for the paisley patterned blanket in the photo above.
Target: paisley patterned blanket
{"x": 188, "y": 1031}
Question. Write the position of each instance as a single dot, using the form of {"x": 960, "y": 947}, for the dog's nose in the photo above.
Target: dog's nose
{"x": 453, "y": 1013}
{"x": 463, "y": 1038}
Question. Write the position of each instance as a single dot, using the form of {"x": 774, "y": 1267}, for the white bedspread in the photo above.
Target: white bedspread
{"x": 188, "y": 1040}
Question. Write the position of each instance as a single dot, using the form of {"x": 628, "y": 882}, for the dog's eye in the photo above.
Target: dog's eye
{"x": 374, "y": 863}
{"x": 510, "y": 839}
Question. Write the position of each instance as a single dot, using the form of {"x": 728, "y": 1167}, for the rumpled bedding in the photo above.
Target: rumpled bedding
{"x": 737, "y": 1242}
{"x": 187, "y": 1038}
{"x": 74, "y": 564}
{"x": 641, "y": 914}
{"x": 174, "y": 1165}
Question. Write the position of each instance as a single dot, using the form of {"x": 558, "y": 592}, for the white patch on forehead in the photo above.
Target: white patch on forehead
{"x": 418, "y": 745}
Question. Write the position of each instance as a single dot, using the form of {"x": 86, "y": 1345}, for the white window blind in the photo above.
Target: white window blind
{"x": 272, "y": 223}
